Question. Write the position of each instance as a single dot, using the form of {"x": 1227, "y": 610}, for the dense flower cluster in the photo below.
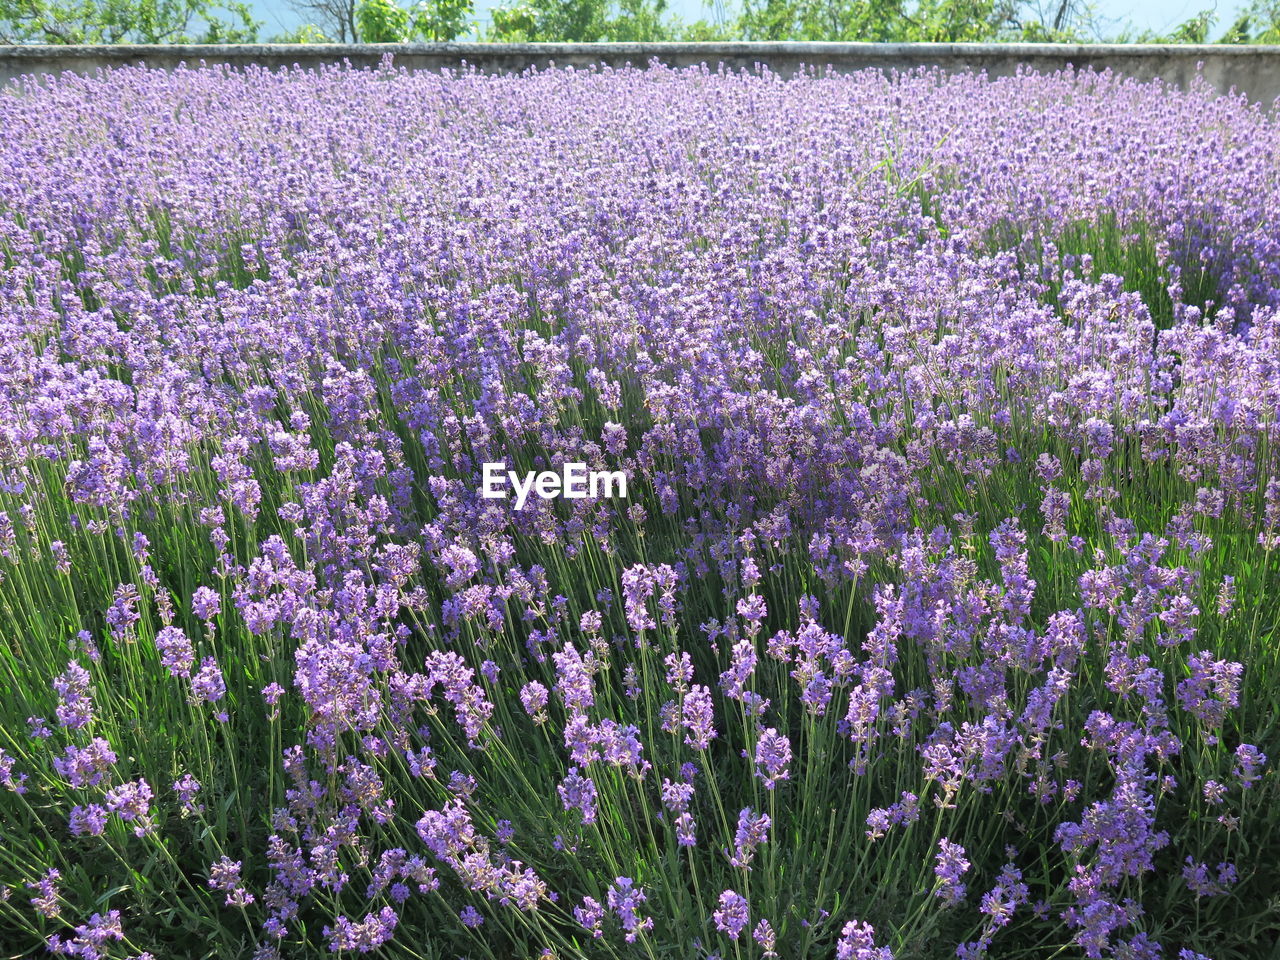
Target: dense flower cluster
{"x": 938, "y": 621}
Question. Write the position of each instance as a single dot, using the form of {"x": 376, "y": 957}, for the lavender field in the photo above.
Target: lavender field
{"x": 939, "y": 618}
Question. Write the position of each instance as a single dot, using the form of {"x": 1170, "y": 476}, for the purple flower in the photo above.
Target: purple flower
{"x": 733, "y": 915}
{"x": 679, "y": 671}
{"x": 773, "y": 757}
{"x": 624, "y": 900}
{"x": 177, "y": 653}
{"x": 1212, "y": 689}
{"x": 131, "y": 802}
{"x": 881, "y": 819}
{"x": 950, "y": 865}
{"x": 90, "y": 820}
{"x": 1202, "y": 884}
{"x": 579, "y": 793}
{"x": 123, "y": 612}
{"x": 461, "y": 565}
{"x": 271, "y": 694}
{"x": 85, "y": 766}
{"x": 639, "y": 584}
{"x": 1226, "y": 596}
{"x": 1000, "y": 902}
{"x": 75, "y": 706}
{"x": 857, "y": 942}
{"x": 8, "y": 779}
{"x": 818, "y": 385}
{"x": 676, "y": 798}
{"x": 205, "y": 603}
{"x": 533, "y": 697}
{"x": 364, "y": 936}
{"x": 38, "y": 728}
{"x": 765, "y": 935}
{"x": 448, "y": 833}
{"x": 92, "y": 938}
{"x": 225, "y": 876}
{"x": 472, "y": 707}
{"x": 698, "y": 718}
{"x": 590, "y": 916}
{"x": 1249, "y": 762}
{"x": 752, "y": 831}
{"x": 574, "y": 680}
{"x": 47, "y": 896}
{"x": 207, "y": 686}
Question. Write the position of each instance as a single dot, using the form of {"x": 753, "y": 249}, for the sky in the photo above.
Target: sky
{"x": 1155, "y": 15}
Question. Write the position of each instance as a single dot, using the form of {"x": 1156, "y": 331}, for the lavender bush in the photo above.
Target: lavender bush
{"x": 939, "y": 620}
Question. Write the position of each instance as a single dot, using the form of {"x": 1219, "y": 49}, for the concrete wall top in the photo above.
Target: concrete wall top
{"x": 1248, "y": 69}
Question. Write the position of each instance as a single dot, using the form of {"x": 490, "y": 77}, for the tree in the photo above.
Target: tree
{"x": 442, "y": 20}
{"x": 1063, "y": 21}
{"x": 570, "y": 20}
{"x": 513, "y": 23}
{"x": 704, "y": 31}
{"x": 582, "y": 21}
{"x": 307, "y": 33}
{"x": 382, "y": 21}
{"x": 769, "y": 19}
{"x": 939, "y": 21}
{"x": 126, "y": 21}
{"x": 1257, "y": 23}
{"x": 334, "y": 18}
{"x": 639, "y": 21}
{"x": 385, "y": 21}
{"x": 960, "y": 21}
{"x": 1194, "y": 30}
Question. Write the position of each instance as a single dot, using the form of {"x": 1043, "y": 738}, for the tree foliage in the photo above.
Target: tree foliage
{"x": 344, "y": 21}
{"x": 331, "y": 18}
{"x": 307, "y": 33}
{"x": 382, "y": 21}
{"x": 126, "y": 21}
{"x": 385, "y": 21}
{"x": 583, "y": 21}
{"x": 442, "y": 20}
{"x": 1257, "y": 23}
{"x": 950, "y": 21}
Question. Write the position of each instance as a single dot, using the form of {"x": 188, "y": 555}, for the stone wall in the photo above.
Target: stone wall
{"x": 1252, "y": 70}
